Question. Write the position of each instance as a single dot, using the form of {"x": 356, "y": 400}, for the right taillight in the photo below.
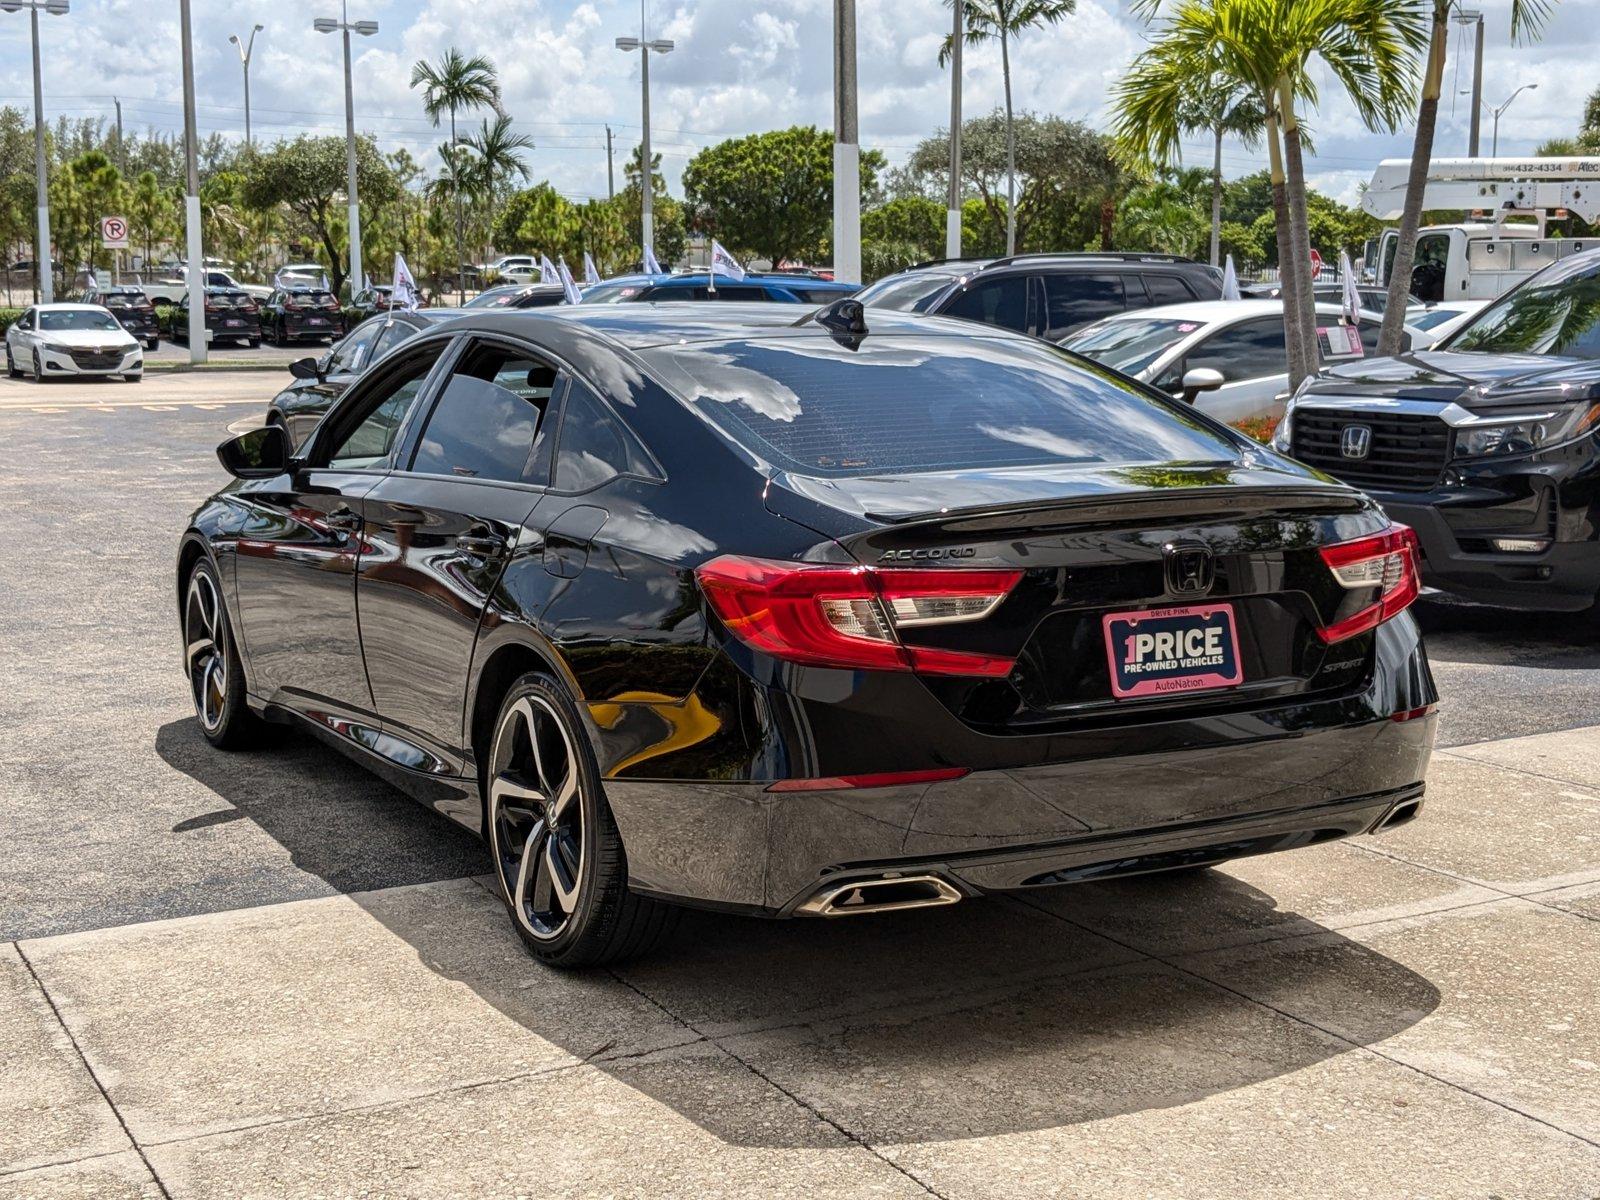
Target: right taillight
{"x": 850, "y": 617}
{"x": 1385, "y": 563}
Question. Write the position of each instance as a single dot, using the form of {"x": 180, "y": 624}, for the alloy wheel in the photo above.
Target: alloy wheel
{"x": 205, "y": 650}
{"x": 536, "y": 821}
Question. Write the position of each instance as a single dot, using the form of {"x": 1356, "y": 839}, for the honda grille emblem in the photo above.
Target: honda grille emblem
{"x": 1355, "y": 441}
{"x": 1190, "y": 568}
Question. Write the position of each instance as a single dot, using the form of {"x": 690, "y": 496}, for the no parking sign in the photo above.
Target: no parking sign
{"x": 114, "y": 233}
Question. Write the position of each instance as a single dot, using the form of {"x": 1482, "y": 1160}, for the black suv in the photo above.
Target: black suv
{"x": 1487, "y": 444}
{"x": 132, "y": 309}
{"x": 1048, "y": 295}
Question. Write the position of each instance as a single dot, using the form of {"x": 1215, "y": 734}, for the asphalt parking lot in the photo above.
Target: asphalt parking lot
{"x": 271, "y": 975}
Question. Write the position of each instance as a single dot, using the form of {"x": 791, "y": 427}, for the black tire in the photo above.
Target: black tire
{"x": 254, "y": 343}
{"x": 133, "y": 377}
{"x": 221, "y": 711}
{"x": 38, "y": 368}
{"x": 606, "y": 922}
{"x": 12, "y": 370}
{"x": 153, "y": 344}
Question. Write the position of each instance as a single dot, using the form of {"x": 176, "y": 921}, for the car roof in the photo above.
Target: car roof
{"x": 1214, "y": 311}
{"x": 67, "y": 306}
{"x": 696, "y": 278}
{"x": 639, "y": 326}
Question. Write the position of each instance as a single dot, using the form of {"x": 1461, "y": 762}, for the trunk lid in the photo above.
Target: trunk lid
{"x": 1122, "y": 549}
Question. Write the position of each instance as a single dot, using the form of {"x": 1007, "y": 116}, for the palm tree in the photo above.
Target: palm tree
{"x": 1003, "y": 20}
{"x": 496, "y": 155}
{"x": 1527, "y": 17}
{"x": 1267, "y": 47}
{"x": 457, "y": 83}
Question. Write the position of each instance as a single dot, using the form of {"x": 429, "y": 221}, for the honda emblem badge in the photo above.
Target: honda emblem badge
{"x": 1356, "y": 441}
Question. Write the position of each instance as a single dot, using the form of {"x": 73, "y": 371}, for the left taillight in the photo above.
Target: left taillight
{"x": 1386, "y": 563}
{"x": 851, "y": 617}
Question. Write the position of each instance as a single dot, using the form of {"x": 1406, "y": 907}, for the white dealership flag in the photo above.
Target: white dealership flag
{"x": 591, "y": 276}
{"x": 652, "y": 266}
{"x": 1349, "y": 294}
{"x": 1230, "y": 280}
{"x": 547, "y": 271}
{"x": 404, "y": 295}
{"x": 722, "y": 261}
{"x": 568, "y": 284}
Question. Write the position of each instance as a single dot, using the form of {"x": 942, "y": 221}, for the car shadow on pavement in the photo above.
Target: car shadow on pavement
{"x": 984, "y": 1018}
{"x": 338, "y": 821}
{"x": 1499, "y": 637}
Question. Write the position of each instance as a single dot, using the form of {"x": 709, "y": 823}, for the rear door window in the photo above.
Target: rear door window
{"x": 487, "y": 418}
{"x": 1002, "y": 302}
{"x": 1247, "y": 350}
{"x": 1074, "y": 299}
{"x": 595, "y": 446}
{"x": 1167, "y": 289}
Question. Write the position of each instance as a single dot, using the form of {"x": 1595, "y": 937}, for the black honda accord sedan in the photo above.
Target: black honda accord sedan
{"x": 819, "y": 617}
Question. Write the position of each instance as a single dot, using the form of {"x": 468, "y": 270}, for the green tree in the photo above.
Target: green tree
{"x": 1527, "y": 17}
{"x": 537, "y": 220}
{"x": 1003, "y": 21}
{"x": 1162, "y": 215}
{"x": 307, "y": 176}
{"x": 603, "y": 232}
{"x": 1066, "y": 173}
{"x": 770, "y": 193}
{"x": 456, "y": 84}
{"x": 914, "y": 224}
{"x": 86, "y": 189}
{"x": 151, "y": 213}
{"x": 1270, "y": 48}
{"x": 671, "y": 222}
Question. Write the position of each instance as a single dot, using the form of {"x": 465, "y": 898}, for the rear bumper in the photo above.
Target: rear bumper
{"x": 1254, "y": 783}
{"x": 301, "y": 327}
{"x": 249, "y": 330}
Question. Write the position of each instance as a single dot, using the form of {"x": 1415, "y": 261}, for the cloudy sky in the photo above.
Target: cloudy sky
{"x": 740, "y": 66}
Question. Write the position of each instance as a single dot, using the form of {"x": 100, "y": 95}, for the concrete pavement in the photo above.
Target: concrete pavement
{"x": 271, "y": 975}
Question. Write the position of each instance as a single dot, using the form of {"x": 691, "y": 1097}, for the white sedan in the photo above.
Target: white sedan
{"x": 57, "y": 341}
{"x": 1226, "y": 356}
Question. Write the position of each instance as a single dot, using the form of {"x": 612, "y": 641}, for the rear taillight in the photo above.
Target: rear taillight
{"x": 290, "y": 304}
{"x": 850, "y": 617}
{"x": 1386, "y": 564}
{"x": 330, "y": 302}
{"x": 248, "y": 306}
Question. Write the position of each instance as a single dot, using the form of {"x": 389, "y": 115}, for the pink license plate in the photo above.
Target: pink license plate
{"x": 1167, "y": 651}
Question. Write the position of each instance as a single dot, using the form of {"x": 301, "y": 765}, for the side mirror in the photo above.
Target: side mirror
{"x": 259, "y": 454}
{"x": 1200, "y": 379}
{"x": 306, "y": 368}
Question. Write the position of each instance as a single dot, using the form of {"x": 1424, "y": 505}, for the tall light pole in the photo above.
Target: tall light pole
{"x": 365, "y": 29}
{"x": 846, "y": 147}
{"x": 1473, "y": 17}
{"x": 952, "y": 216}
{"x": 1494, "y": 150}
{"x": 647, "y": 225}
{"x": 41, "y": 262}
{"x": 191, "y": 201}
{"x": 245, "y": 49}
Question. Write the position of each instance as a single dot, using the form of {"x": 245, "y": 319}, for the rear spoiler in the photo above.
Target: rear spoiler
{"x": 1139, "y": 507}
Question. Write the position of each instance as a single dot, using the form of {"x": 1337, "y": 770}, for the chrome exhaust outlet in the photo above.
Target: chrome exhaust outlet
{"x": 888, "y": 894}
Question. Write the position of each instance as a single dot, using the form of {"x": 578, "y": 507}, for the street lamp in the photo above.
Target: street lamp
{"x": 196, "y": 269}
{"x": 41, "y": 263}
{"x": 1494, "y": 145}
{"x": 244, "y": 57}
{"x": 952, "y": 217}
{"x": 365, "y": 29}
{"x": 646, "y": 191}
{"x": 846, "y": 147}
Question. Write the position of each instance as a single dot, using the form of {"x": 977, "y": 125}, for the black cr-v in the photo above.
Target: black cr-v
{"x": 1488, "y": 444}
{"x": 1048, "y": 295}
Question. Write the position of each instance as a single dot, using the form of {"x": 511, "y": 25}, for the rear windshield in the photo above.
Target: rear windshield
{"x": 1128, "y": 345}
{"x": 913, "y": 293}
{"x": 927, "y": 403}
{"x": 612, "y": 293}
{"x": 124, "y": 299}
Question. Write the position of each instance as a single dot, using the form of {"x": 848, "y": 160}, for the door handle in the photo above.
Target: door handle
{"x": 481, "y": 545}
{"x": 346, "y": 520}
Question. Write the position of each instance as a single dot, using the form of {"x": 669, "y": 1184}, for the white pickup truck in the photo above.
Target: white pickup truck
{"x": 171, "y": 289}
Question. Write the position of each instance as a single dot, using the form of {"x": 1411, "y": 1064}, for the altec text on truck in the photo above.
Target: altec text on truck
{"x": 1487, "y": 444}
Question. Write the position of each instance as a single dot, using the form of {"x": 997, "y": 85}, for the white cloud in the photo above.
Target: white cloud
{"x": 739, "y": 66}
